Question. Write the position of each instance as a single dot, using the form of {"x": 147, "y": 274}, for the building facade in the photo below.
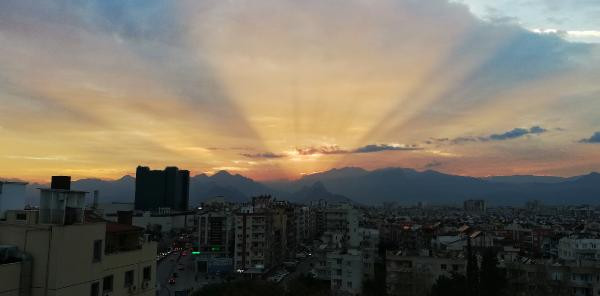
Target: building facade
{"x": 61, "y": 250}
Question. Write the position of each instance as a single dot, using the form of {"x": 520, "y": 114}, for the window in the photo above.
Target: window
{"x": 107, "y": 284}
{"x": 147, "y": 273}
{"x": 21, "y": 216}
{"x": 349, "y": 284}
{"x": 128, "y": 278}
{"x": 97, "y": 250}
{"x": 95, "y": 289}
{"x": 444, "y": 267}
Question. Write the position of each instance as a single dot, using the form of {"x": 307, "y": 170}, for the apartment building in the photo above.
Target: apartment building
{"x": 415, "y": 275}
{"x": 254, "y": 239}
{"x": 579, "y": 247}
{"x": 343, "y": 218}
{"x": 216, "y": 238}
{"x": 63, "y": 250}
{"x": 261, "y": 237}
{"x": 346, "y": 271}
{"x": 555, "y": 277}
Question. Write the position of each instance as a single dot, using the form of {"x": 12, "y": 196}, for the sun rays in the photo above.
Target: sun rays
{"x": 248, "y": 85}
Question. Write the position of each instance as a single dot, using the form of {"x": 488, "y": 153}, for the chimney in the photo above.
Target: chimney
{"x": 61, "y": 182}
{"x": 96, "y": 198}
{"x": 125, "y": 217}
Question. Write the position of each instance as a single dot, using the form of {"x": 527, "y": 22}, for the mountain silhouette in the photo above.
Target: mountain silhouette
{"x": 401, "y": 185}
{"x": 316, "y": 192}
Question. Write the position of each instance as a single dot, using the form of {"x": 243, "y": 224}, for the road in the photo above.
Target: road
{"x": 186, "y": 278}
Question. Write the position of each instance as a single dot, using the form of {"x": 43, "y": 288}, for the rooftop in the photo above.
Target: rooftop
{"x": 62, "y": 190}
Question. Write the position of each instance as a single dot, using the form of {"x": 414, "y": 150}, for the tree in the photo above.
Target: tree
{"x": 492, "y": 279}
{"x": 248, "y": 288}
{"x": 306, "y": 285}
{"x": 472, "y": 271}
{"x": 450, "y": 286}
{"x": 377, "y": 285}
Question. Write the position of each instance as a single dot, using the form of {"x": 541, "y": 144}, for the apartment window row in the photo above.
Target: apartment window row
{"x": 108, "y": 281}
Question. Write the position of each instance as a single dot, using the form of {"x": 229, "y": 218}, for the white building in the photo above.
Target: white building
{"x": 12, "y": 197}
{"x": 346, "y": 271}
{"x": 343, "y": 218}
{"x": 579, "y": 248}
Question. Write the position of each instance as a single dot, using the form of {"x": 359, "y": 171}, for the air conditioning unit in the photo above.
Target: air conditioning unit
{"x": 145, "y": 284}
{"x": 132, "y": 288}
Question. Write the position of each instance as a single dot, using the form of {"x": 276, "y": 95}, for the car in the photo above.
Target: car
{"x": 172, "y": 281}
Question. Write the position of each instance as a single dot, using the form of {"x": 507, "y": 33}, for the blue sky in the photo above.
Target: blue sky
{"x": 576, "y": 20}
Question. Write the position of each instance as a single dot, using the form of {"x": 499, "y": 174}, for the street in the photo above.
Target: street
{"x": 185, "y": 279}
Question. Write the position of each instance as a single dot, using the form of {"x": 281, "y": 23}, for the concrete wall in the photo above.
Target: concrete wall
{"x": 63, "y": 259}
{"x": 9, "y": 279}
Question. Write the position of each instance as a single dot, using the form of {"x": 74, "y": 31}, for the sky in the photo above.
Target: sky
{"x": 275, "y": 89}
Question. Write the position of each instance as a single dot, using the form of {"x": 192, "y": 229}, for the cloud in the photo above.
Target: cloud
{"x": 371, "y": 148}
{"x": 509, "y": 135}
{"x": 266, "y": 155}
{"x": 333, "y": 149}
{"x": 385, "y": 147}
{"x": 516, "y": 133}
{"x": 594, "y": 139}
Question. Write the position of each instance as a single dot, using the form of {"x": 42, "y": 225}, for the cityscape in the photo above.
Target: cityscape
{"x": 73, "y": 242}
{"x": 300, "y": 148}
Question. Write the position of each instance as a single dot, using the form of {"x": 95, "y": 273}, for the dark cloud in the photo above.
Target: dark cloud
{"x": 594, "y": 139}
{"x": 509, "y": 135}
{"x": 371, "y": 148}
{"x": 267, "y": 155}
{"x": 385, "y": 147}
{"x": 322, "y": 150}
{"x": 516, "y": 133}
{"x": 461, "y": 140}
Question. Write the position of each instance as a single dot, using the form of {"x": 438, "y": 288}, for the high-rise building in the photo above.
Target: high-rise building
{"x": 261, "y": 239}
{"x": 156, "y": 189}
{"x": 215, "y": 238}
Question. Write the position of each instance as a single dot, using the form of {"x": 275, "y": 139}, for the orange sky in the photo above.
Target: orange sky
{"x": 277, "y": 89}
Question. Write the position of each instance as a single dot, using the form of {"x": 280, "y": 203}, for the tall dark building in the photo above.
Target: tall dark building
{"x": 162, "y": 189}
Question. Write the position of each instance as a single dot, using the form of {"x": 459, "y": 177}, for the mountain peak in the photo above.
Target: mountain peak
{"x": 222, "y": 173}
{"x": 127, "y": 178}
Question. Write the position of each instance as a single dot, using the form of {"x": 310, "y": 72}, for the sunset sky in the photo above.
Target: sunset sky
{"x": 275, "y": 89}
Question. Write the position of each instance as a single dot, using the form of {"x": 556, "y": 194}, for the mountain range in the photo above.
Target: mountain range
{"x": 401, "y": 185}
